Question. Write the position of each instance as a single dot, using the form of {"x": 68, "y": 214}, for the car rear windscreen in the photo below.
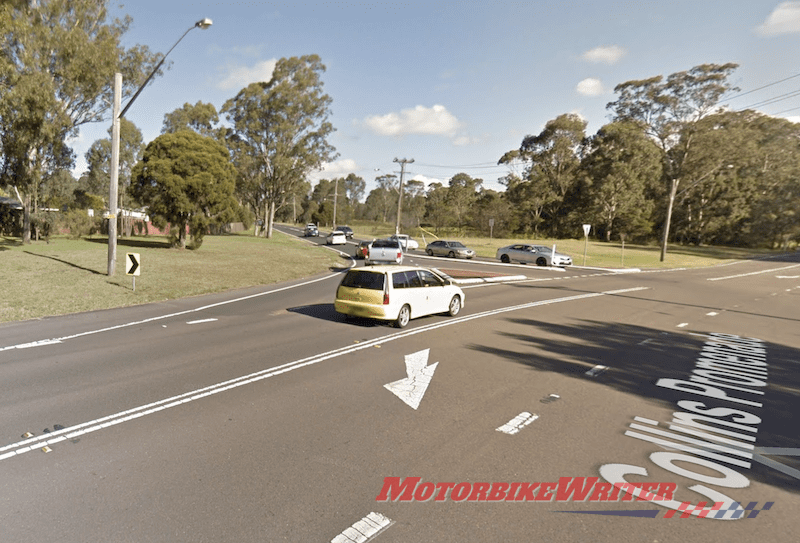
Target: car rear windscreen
{"x": 363, "y": 279}
{"x": 386, "y": 243}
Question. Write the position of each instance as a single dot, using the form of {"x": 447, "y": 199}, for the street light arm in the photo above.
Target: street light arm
{"x": 203, "y": 23}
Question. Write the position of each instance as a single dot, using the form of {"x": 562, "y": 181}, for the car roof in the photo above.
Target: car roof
{"x": 390, "y": 267}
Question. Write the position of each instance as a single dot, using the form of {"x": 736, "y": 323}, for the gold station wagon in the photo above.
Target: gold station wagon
{"x": 397, "y": 294}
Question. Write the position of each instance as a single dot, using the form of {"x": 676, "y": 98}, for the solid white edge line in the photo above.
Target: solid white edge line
{"x": 751, "y": 273}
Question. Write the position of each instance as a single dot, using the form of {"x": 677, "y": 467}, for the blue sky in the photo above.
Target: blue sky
{"x": 454, "y": 85}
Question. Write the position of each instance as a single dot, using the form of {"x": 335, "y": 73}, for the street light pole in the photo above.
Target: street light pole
{"x": 115, "y": 125}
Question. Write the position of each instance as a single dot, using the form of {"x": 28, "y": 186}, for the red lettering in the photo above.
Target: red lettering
{"x": 628, "y": 488}
{"x": 512, "y": 492}
{"x": 526, "y": 492}
{"x": 666, "y": 490}
{"x": 600, "y": 493}
{"x": 404, "y": 492}
{"x": 545, "y": 493}
{"x": 479, "y": 491}
{"x": 424, "y": 492}
{"x": 498, "y": 492}
{"x": 443, "y": 488}
{"x": 646, "y": 495}
{"x": 577, "y": 488}
{"x": 460, "y": 492}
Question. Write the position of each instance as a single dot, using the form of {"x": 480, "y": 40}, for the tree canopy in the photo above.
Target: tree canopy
{"x": 57, "y": 65}
{"x": 187, "y": 181}
{"x": 279, "y": 133}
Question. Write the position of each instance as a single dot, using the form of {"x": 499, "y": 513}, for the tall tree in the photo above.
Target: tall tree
{"x": 187, "y": 181}
{"x": 462, "y": 192}
{"x": 202, "y": 118}
{"x": 621, "y": 164}
{"x": 671, "y": 109}
{"x": 284, "y": 125}
{"x": 57, "y": 65}
{"x": 552, "y": 160}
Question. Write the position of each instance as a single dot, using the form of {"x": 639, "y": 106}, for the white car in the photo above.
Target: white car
{"x": 336, "y": 237}
{"x": 540, "y": 255}
{"x": 397, "y": 294}
{"x": 406, "y": 242}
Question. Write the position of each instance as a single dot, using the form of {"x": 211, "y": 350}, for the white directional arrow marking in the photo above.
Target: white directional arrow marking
{"x": 412, "y": 389}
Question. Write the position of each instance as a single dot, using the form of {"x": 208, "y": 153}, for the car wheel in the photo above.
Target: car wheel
{"x": 541, "y": 261}
{"x": 505, "y": 259}
{"x": 403, "y": 317}
{"x": 454, "y": 307}
{"x": 430, "y": 253}
{"x": 451, "y": 254}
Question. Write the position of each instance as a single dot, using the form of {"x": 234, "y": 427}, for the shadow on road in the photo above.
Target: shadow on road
{"x": 638, "y": 357}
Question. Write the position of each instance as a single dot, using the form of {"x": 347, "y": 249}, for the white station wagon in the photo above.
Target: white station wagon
{"x": 397, "y": 294}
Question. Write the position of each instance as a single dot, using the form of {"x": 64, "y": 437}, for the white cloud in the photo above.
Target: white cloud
{"x": 332, "y": 170}
{"x": 590, "y": 87}
{"x": 434, "y": 120}
{"x": 784, "y": 19}
{"x": 238, "y": 77}
{"x": 609, "y": 54}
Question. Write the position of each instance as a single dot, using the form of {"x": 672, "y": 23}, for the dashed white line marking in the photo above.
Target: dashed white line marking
{"x": 712, "y": 314}
{"x": 683, "y": 325}
{"x": 598, "y": 369}
{"x": 365, "y": 529}
{"x": 517, "y": 423}
{"x": 201, "y": 321}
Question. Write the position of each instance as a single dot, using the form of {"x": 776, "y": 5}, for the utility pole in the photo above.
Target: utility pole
{"x": 335, "y": 199}
{"x": 403, "y": 163}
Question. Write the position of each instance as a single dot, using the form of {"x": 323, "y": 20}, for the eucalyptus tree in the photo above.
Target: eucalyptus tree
{"x": 57, "y": 65}
{"x": 462, "y": 192}
{"x": 283, "y": 125}
{"x": 200, "y": 117}
{"x": 670, "y": 109}
{"x": 622, "y": 165}
{"x": 552, "y": 164}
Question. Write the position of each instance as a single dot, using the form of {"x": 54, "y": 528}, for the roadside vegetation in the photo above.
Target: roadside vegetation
{"x": 65, "y": 276}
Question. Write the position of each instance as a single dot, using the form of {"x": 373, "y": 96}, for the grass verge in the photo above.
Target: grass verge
{"x": 70, "y": 276}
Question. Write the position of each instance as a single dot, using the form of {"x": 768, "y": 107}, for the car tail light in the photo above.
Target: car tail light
{"x": 385, "y": 298}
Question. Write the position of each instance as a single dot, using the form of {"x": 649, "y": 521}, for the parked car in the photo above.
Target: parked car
{"x": 336, "y": 237}
{"x": 397, "y": 294}
{"x": 453, "y": 249}
{"x": 540, "y": 255}
{"x": 348, "y": 232}
{"x": 406, "y": 242}
{"x": 363, "y": 249}
{"x": 311, "y": 230}
{"x": 384, "y": 251}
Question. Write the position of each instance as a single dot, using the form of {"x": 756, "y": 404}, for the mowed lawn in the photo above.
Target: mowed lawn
{"x": 70, "y": 276}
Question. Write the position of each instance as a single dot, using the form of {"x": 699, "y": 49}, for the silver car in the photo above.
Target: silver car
{"x": 453, "y": 249}
{"x": 540, "y": 255}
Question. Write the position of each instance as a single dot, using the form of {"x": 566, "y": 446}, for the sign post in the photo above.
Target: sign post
{"x": 622, "y": 256}
{"x": 491, "y": 227}
{"x": 132, "y": 266}
{"x": 586, "y": 229}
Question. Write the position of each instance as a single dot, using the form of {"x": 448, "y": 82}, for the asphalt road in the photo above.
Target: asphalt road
{"x": 262, "y": 415}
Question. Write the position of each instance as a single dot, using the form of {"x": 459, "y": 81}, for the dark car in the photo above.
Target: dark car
{"x": 348, "y": 232}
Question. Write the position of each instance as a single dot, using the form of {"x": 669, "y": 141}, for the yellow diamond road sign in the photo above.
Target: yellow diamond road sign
{"x": 132, "y": 264}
